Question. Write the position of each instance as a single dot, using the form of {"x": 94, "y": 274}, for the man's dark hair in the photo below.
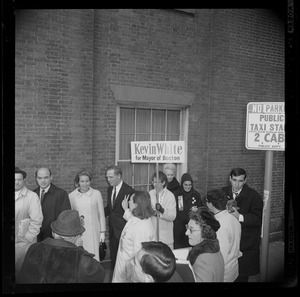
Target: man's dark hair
{"x": 238, "y": 172}
{"x": 217, "y": 198}
{"x": 117, "y": 169}
{"x": 159, "y": 261}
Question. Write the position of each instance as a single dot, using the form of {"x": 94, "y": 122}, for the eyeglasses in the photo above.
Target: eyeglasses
{"x": 155, "y": 182}
{"x": 191, "y": 229}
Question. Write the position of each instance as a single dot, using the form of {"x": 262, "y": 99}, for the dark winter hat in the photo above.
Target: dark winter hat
{"x": 209, "y": 218}
{"x": 68, "y": 223}
{"x": 203, "y": 214}
{"x": 186, "y": 177}
{"x": 18, "y": 170}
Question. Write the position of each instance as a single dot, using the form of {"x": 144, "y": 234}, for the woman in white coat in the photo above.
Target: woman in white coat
{"x": 164, "y": 204}
{"x": 138, "y": 229}
{"x": 89, "y": 203}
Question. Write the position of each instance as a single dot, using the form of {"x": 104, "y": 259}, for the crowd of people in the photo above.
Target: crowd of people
{"x": 57, "y": 235}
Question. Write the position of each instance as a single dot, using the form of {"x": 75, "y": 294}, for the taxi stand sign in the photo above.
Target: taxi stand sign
{"x": 265, "y": 128}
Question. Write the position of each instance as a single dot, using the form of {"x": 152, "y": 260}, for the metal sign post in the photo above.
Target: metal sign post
{"x": 265, "y": 130}
{"x": 157, "y": 201}
{"x": 264, "y": 252}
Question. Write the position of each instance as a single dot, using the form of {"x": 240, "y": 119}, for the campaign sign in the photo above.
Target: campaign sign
{"x": 157, "y": 151}
{"x": 265, "y": 128}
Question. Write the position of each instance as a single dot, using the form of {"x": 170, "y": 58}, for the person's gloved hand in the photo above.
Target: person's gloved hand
{"x": 159, "y": 208}
{"x": 102, "y": 237}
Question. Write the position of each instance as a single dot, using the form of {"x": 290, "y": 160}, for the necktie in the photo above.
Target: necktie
{"x": 42, "y": 195}
{"x": 235, "y": 194}
{"x": 114, "y": 197}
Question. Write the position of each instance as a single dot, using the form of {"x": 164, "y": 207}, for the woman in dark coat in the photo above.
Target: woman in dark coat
{"x": 186, "y": 198}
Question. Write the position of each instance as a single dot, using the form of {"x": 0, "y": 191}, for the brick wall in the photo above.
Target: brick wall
{"x": 66, "y": 61}
{"x": 54, "y": 92}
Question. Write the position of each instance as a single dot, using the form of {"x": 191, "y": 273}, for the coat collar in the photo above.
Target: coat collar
{"x": 63, "y": 243}
{"x": 58, "y": 242}
{"x": 206, "y": 246}
{"x": 23, "y": 192}
{"x": 89, "y": 192}
{"x": 241, "y": 193}
{"x": 51, "y": 189}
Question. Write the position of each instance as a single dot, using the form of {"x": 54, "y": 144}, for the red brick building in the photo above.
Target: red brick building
{"x": 89, "y": 81}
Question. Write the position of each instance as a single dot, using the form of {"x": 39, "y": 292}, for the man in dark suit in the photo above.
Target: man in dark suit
{"x": 249, "y": 214}
{"x": 53, "y": 200}
{"x": 116, "y": 192}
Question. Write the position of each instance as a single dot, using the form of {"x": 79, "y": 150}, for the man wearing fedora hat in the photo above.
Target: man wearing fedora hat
{"x": 61, "y": 259}
{"x": 28, "y": 217}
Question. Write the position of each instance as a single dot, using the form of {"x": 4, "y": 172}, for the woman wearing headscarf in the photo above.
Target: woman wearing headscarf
{"x": 187, "y": 198}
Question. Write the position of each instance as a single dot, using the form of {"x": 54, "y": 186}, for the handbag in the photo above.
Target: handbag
{"x": 102, "y": 250}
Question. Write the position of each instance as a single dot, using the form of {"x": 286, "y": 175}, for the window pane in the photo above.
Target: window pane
{"x": 142, "y": 137}
{"x": 141, "y": 188}
{"x": 158, "y": 137}
{"x": 173, "y": 122}
{"x": 126, "y": 120}
{"x": 143, "y": 121}
{"x": 124, "y": 148}
{"x": 126, "y": 132}
{"x": 152, "y": 170}
{"x": 158, "y": 124}
{"x": 126, "y": 171}
{"x": 140, "y": 174}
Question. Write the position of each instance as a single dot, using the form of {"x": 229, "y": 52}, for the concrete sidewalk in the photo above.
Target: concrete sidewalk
{"x": 275, "y": 272}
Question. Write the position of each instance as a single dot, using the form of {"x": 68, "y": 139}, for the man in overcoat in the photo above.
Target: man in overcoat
{"x": 249, "y": 214}
{"x": 53, "y": 200}
{"x": 61, "y": 259}
{"x": 28, "y": 218}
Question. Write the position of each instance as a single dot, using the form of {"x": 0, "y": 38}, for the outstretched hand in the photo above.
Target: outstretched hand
{"x": 125, "y": 202}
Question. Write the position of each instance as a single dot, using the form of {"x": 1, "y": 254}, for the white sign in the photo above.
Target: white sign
{"x": 265, "y": 126}
{"x": 157, "y": 151}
